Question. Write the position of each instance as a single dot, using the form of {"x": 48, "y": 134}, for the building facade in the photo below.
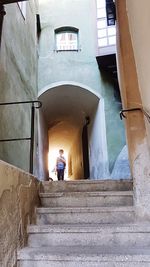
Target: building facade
{"x": 70, "y": 83}
{"x": 72, "y": 88}
{"x": 18, "y": 79}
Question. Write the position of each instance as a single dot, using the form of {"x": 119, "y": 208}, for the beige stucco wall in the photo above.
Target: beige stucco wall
{"x": 18, "y": 199}
{"x": 131, "y": 82}
{"x": 139, "y": 21}
{"x": 18, "y": 80}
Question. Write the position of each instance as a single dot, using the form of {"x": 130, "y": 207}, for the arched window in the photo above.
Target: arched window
{"x": 66, "y": 39}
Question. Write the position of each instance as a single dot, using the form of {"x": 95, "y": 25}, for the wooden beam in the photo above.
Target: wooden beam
{"x": 5, "y": 2}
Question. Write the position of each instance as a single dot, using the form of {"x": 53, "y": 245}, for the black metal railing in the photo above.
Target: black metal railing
{"x": 37, "y": 105}
{"x": 146, "y": 114}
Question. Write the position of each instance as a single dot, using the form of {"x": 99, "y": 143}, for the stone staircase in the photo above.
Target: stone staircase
{"x": 86, "y": 224}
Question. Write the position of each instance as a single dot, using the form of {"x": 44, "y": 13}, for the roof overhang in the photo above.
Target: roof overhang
{"x": 108, "y": 64}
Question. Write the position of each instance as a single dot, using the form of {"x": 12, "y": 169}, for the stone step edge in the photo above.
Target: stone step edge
{"x": 88, "y": 194}
{"x": 83, "y": 181}
{"x": 84, "y": 209}
{"x": 88, "y": 228}
{"x": 95, "y": 254}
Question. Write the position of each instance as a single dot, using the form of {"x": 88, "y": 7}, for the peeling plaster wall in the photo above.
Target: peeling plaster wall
{"x": 18, "y": 81}
{"x": 140, "y": 37}
{"x": 139, "y": 30}
{"x": 18, "y": 199}
{"x": 132, "y": 95}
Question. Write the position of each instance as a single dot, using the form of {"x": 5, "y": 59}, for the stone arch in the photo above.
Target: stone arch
{"x": 65, "y": 108}
{"x": 71, "y": 83}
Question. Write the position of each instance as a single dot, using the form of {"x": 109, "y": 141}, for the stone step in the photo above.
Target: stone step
{"x": 87, "y": 199}
{"x": 76, "y": 215}
{"x": 135, "y": 235}
{"x": 84, "y": 257}
{"x": 87, "y": 185}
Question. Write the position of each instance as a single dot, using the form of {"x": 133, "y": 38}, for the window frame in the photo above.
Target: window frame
{"x": 108, "y": 36}
{"x": 67, "y": 29}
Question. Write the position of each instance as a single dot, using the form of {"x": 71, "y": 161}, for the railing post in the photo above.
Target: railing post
{"x": 32, "y": 139}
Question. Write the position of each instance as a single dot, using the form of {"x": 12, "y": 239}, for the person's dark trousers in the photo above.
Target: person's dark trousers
{"x": 60, "y": 175}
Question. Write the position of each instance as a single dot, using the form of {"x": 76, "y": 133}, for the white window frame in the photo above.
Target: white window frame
{"x": 103, "y": 18}
{"x": 66, "y": 45}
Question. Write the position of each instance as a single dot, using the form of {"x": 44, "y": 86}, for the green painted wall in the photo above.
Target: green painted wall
{"x": 114, "y": 126}
{"x": 81, "y": 66}
{"x": 18, "y": 81}
{"x": 78, "y": 66}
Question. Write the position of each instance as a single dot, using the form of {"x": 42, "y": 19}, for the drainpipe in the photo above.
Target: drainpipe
{"x": 2, "y": 14}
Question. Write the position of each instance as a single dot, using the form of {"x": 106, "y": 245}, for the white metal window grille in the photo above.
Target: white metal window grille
{"x": 66, "y": 41}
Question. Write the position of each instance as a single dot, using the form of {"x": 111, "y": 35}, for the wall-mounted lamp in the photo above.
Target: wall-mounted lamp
{"x": 110, "y": 12}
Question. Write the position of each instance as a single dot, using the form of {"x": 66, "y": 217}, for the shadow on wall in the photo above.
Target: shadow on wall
{"x": 121, "y": 168}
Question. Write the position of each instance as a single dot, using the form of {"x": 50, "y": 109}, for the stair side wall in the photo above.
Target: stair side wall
{"x": 18, "y": 199}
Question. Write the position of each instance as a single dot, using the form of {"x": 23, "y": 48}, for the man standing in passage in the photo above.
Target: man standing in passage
{"x": 60, "y": 165}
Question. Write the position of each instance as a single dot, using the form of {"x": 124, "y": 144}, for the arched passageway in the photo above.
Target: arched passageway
{"x": 69, "y": 120}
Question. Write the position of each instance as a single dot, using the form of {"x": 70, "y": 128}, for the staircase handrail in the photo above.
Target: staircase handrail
{"x": 35, "y": 104}
{"x": 146, "y": 114}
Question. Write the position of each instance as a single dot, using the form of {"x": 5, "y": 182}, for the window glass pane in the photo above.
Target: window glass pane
{"x": 100, "y": 3}
{"x": 112, "y": 31}
{"x": 112, "y": 40}
{"x": 102, "y": 33}
{"x": 102, "y": 42}
{"x": 106, "y": 35}
{"x": 101, "y": 13}
{"x": 98, "y": 13}
{"x": 101, "y": 24}
{"x": 66, "y": 41}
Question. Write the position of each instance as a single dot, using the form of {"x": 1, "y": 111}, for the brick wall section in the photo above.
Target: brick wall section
{"x": 18, "y": 199}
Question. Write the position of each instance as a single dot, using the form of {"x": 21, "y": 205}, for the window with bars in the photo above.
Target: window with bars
{"x": 106, "y": 35}
{"x": 66, "y": 39}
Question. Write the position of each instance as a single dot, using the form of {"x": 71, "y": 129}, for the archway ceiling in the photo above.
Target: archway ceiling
{"x": 67, "y": 103}
{"x": 65, "y": 108}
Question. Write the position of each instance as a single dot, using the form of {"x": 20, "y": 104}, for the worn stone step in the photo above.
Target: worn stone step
{"x": 136, "y": 235}
{"x": 87, "y": 199}
{"x": 75, "y": 215}
{"x": 87, "y": 185}
{"x": 84, "y": 257}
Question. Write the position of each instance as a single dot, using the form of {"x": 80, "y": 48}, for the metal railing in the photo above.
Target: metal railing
{"x": 146, "y": 114}
{"x": 37, "y": 105}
